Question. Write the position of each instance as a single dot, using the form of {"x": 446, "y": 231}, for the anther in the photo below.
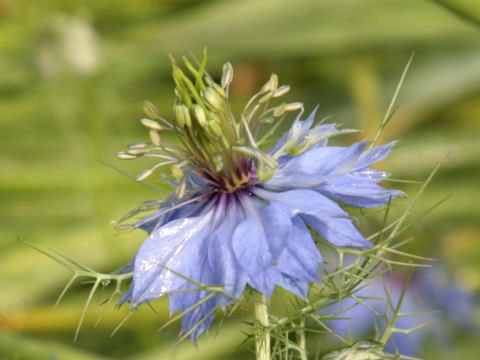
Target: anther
{"x": 144, "y": 175}
{"x": 215, "y": 128}
{"x": 294, "y": 106}
{"x": 139, "y": 145}
{"x": 137, "y": 151}
{"x": 213, "y": 99}
{"x": 282, "y": 90}
{"x": 125, "y": 156}
{"x": 199, "y": 114}
{"x": 271, "y": 84}
{"x": 227, "y": 75}
{"x": 155, "y": 138}
{"x": 265, "y": 98}
{"x": 150, "y": 110}
{"x": 151, "y": 124}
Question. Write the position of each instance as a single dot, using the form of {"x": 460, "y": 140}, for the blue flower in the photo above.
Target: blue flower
{"x": 241, "y": 215}
{"x": 432, "y": 292}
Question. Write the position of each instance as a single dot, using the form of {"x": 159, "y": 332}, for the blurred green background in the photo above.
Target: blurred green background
{"x": 74, "y": 74}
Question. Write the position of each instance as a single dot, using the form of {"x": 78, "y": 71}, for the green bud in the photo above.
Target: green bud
{"x": 151, "y": 124}
{"x": 199, "y": 114}
{"x": 280, "y": 110}
{"x": 213, "y": 99}
{"x": 214, "y": 126}
{"x": 179, "y": 115}
{"x": 187, "y": 117}
{"x": 155, "y": 138}
{"x": 220, "y": 91}
{"x": 227, "y": 75}
{"x": 208, "y": 80}
{"x": 150, "y": 110}
{"x": 270, "y": 85}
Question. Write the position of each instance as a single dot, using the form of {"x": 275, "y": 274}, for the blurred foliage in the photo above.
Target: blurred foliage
{"x": 73, "y": 78}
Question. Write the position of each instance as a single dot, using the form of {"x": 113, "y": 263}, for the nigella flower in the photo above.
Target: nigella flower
{"x": 240, "y": 215}
{"x": 433, "y": 295}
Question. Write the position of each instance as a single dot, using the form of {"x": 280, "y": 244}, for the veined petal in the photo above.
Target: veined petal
{"x": 294, "y": 285}
{"x": 177, "y": 245}
{"x": 315, "y": 166}
{"x": 323, "y": 214}
{"x": 251, "y": 250}
{"x": 168, "y": 213}
{"x": 374, "y": 155}
{"x": 300, "y": 258}
{"x": 221, "y": 257}
{"x": 357, "y": 190}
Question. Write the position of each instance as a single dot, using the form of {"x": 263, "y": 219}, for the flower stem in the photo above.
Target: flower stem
{"x": 301, "y": 340}
{"x": 262, "y": 334}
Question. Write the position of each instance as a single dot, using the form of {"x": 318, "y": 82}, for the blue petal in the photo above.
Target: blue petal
{"x": 324, "y": 215}
{"x": 374, "y": 155}
{"x": 259, "y": 240}
{"x": 180, "y": 245}
{"x": 300, "y": 259}
{"x": 165, "y": 214}
{"x": 315, "y": 166}
{"x": 197, "y": 317}
{"x": 358, "y": 191}
{"x": 275, "y": 220}
{"x": 295, "y": 286}
{"x": 251, "y": 250}
{"x": 298, "y": 126}
{"x": 221, "y": 257}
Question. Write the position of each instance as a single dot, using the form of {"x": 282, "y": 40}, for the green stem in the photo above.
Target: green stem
{"x": 262, "y": 334}
{"x": 301, "y": 340}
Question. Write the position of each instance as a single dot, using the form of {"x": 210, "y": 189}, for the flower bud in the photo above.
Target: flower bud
{"x": 280, "y": 110}
{"x": 270, "y": 85}
{"x": 219, "y": 90}
{"x": 199, "y": 114}
{"x": 181, "y": 113}
{"x": 155, "y": 138}
{"x": 213, "y": 99}
{"x": 214, "y": 126}
{"x": 150, "y": 110}
{"x": 227, "y": 75}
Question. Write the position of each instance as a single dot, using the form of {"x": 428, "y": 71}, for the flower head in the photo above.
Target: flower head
{"x": 433, "y": 294}
{"x": 241, "y": 215}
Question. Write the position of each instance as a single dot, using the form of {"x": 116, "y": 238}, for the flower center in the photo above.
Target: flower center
{"x": 213, "y": 144}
